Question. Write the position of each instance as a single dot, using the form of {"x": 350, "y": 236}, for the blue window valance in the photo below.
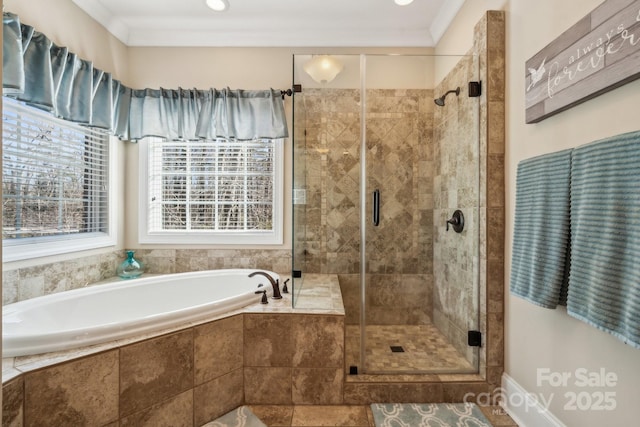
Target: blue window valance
{"x": 42, "y": 74}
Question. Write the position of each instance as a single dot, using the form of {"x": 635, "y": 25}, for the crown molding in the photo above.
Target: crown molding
{"x": 444, "y": 18}
{"x": 114, "y": 25}
{"x": 161, "y": 35}
{"x": 266, "y": 38}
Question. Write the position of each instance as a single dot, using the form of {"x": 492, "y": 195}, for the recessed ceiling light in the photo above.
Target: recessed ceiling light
{"x": 403, "y": 2}
{"x": 218, "y": 5}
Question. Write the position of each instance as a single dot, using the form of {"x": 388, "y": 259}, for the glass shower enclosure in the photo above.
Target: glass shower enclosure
{"x": 379, "y": 169}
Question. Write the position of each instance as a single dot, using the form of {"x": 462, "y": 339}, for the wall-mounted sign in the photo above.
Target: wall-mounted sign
{"x": 599, "y": 53}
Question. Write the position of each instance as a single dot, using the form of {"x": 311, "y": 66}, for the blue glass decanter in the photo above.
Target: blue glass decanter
{"x": 130, "y": 267}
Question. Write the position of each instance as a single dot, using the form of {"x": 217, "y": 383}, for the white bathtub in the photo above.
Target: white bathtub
{"x": 123, "y": 309}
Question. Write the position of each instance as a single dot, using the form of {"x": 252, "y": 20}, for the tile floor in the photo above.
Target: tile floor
{"x": 344, "y": 416}
{"x": 426, "y": 350}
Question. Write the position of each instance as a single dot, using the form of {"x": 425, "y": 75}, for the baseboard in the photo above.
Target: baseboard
{"x": 529, "y": 414}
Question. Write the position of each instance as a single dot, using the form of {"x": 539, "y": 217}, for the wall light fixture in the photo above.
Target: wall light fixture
{"x": 323, "y": 68}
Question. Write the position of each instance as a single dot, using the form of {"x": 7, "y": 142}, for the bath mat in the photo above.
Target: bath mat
{"x": 239, "y": 417}
{"x": 428, "y": 415}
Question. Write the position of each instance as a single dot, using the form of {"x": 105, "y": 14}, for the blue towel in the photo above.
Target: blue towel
{"x": 541, "y": 229}
{"x": 604, "y": 279}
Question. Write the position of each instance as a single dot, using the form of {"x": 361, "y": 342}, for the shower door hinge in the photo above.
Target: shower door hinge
{"x": 475, "y": 89}
{"x": 474, "y": 338}
{"x": 297, "y": 88}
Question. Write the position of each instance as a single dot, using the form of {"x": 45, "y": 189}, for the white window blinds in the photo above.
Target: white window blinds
{"x": 55, "y": 176}
{"x": 211, "y": 186}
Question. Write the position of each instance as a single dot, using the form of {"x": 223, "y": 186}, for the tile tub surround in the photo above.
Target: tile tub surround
{"x": 134, "y": 384}
{"x": 28, "y": 282}
{"x": 174, "y": 374}
{"x": 264, "y": 355}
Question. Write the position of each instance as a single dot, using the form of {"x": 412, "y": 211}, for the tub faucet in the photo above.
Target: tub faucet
{"x": 274, "y": 283}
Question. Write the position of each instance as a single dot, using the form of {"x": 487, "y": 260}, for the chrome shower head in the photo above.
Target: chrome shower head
{"x": 440, "y": 101}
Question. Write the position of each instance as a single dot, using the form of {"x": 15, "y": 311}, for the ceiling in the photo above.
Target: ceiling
{"x": 308, "y": 23}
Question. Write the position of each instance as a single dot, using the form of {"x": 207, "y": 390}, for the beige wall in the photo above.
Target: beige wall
{"x": 536, "y": 337}
{"x": 67, "y": 25}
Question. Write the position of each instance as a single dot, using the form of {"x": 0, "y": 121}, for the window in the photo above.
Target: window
{"x": 55, "y": 184}
{"x": 211, "y": 192}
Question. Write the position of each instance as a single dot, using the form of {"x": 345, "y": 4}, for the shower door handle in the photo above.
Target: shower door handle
{"x": 376, "y": 208}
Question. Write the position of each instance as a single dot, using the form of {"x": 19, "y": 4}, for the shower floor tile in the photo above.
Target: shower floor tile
{"x": 426, "y": 350}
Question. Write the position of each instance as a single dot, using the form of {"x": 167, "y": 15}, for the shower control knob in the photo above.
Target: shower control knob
{"x": 456, "y": 221}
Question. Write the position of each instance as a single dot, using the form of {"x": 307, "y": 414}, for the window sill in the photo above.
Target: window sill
{"x": 15, "y": 251}
{"x": 220, "y": 238}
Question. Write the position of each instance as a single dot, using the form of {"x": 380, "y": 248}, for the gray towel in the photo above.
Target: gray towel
{"x": 604, "y": 279}
{"x": 541, "y": 229}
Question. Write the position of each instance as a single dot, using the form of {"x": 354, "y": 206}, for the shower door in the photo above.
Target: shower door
{"x": 420, "y": 280}
{"x": 384, "y": 169}
{"x": 299, "y": 195}
{"x": 326, "y": 177}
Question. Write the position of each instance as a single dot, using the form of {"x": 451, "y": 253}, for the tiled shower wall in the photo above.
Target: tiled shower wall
{"x": 489, "y": 44}
{"x": 330, "y": 236}
{"x": 29, "y": 282}
{"x": 489, "y": 48}
{"x": 456, "y": 186}
{"x": 400, "y": 165}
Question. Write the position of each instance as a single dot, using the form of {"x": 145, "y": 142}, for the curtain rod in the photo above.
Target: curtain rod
{"x": 289, "y": 92}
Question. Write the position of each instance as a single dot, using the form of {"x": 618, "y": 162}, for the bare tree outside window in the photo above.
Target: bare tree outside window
{"x": 54, "y": 179}
{"x": 211, "y": 185}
